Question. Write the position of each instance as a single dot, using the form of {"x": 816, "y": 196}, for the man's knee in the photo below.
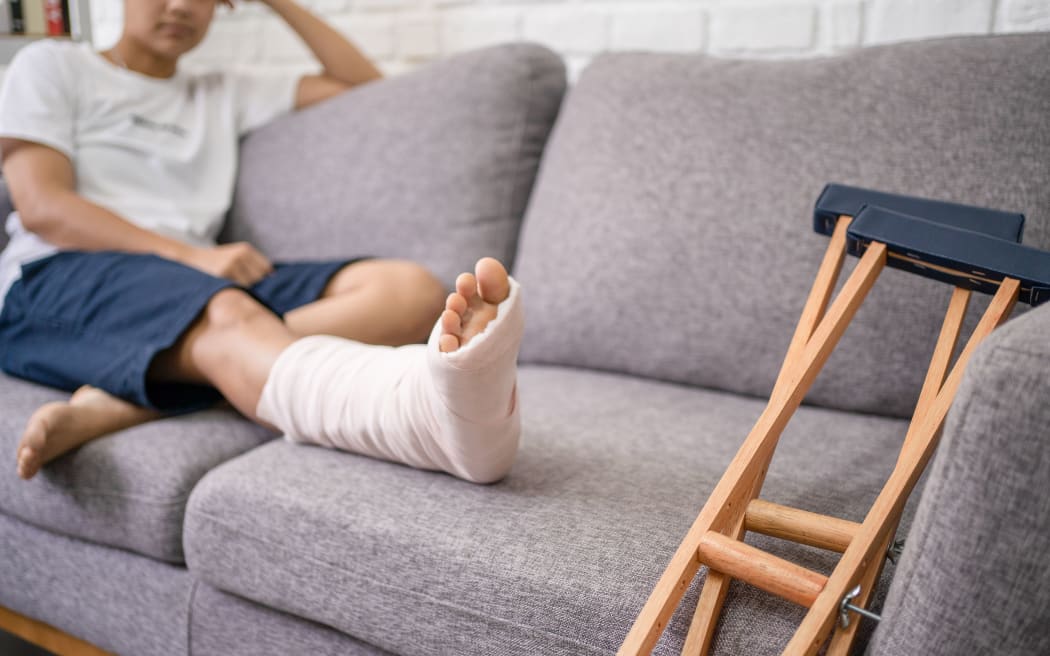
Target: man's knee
{"x": 403, "y": 282}
{"x": 423, "y": 294}
{"x": 427, "y": 289}
{"x": 231, "y": 307}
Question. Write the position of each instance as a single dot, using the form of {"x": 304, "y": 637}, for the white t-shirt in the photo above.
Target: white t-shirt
{"x": 161, "y": 153}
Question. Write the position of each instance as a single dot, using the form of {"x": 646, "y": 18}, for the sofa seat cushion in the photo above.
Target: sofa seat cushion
{"x": 557, "y": 558}
{"x": 126, "y": 490}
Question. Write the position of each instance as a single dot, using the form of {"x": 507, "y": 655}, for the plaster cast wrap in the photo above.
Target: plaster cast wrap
{"x": 456, "y": 412}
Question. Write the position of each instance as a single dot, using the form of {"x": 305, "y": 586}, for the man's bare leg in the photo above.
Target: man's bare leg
{"x": 388, "y": 302}
{"x": 232, "y": 347}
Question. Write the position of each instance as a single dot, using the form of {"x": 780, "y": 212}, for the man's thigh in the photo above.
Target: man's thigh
{"x": 99, "y": 319}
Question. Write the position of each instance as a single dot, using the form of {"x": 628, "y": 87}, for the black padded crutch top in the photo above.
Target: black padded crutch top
{"x": 972, "y": 247}
{"x": 837, "y": 200}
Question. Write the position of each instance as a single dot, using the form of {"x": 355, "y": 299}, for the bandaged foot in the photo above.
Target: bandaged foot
{"x": 450, "y": 405}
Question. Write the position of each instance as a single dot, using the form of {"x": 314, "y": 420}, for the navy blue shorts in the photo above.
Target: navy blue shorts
{"x": 100, "y": 319}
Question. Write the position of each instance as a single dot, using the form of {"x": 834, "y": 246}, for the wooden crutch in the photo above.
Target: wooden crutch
{"x": 974, "y": 248}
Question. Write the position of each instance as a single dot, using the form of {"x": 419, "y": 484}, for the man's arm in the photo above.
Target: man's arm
{"x": 42, "y": 185}
{"x": 344, "y": 65}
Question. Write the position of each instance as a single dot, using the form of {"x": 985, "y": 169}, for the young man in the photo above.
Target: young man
{"x": 121, "y": 168}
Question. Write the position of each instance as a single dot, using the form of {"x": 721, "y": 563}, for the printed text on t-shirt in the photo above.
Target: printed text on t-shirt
{"x": 142, "y": 121}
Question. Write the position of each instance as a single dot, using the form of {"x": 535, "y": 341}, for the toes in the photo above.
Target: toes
{"x": 28, "y": 463}
{"x": 30, "y": 451}
{"x": 456, "y": 303}
{"x": 493, "y": 283}
{"x": 35, "y": 443}
{"x": 35, "y": 436}
{"x": 467, "y": 286}
{"x": 469, "y": 310}
{"x": 448, "y": 343}
{"x": 451, "y": 323}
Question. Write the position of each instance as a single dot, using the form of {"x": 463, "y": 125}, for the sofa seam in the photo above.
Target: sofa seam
{"x": 399, "y": 590}
{"x": 133, "y": 497}
{"x": 1041, "y": 355}
{"x": 189, "y": 616}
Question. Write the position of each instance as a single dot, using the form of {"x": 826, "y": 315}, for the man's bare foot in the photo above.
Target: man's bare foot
{"x": 58, "y": 427}
{"x": 473, "y": 305}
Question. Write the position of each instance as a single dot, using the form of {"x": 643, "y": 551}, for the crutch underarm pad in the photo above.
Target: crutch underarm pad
{"x": 837, "y": 200}
{"x": 962, "y": 257}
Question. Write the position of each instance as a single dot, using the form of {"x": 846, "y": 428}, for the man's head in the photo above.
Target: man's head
{"x": 167, "y": 28}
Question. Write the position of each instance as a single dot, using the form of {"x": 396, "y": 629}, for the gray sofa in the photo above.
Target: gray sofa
{"x": 657, "y": 215}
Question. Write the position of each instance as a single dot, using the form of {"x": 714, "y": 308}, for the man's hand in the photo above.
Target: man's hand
{"x": 344, "y": 65}
{"x": 239, "y": 262}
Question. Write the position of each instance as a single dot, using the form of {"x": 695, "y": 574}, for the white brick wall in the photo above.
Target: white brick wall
{"x": 896, "y": 20}
{"x": 403, "y": 34}
{"x": 757, "y": 28}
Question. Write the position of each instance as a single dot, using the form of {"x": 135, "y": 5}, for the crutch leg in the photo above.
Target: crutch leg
{"x": 731, "y": 496}
{"x": 843, "y": 637}
{"x": 917, "y": 450}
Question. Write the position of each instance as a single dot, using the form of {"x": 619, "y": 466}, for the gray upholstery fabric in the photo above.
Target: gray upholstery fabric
{"x": 121, "y": 602}
{"x": 435, "y": 166}
{"x": 556, "y": 559}
{"x": 224, "y": 625}
{"x": 975, "y": 576}
{"x": 128, "y": 489}
{"x": 669, "y": 234}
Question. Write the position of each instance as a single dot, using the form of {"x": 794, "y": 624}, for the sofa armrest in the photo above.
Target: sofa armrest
{"x": 975, "y": 576}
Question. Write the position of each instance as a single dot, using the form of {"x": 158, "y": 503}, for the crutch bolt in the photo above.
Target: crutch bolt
{"x": 895, "y": 550}
{"x": 846, "y": 606}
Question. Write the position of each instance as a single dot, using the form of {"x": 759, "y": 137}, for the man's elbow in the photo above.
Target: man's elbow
{"x": 39, "y": 181}
{"x": 39, "y": 214}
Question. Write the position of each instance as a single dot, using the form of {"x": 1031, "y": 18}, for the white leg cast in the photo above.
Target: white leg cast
{"x": 456, "y": 412}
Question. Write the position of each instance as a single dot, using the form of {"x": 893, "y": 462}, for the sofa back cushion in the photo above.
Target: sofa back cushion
{"x": 670, "y": 234}
{"x": 434, "y": 166}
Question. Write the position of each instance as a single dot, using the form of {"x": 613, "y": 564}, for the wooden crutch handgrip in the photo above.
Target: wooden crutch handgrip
{"x": 762, "y": 570}
{"x": 800, "y": 526}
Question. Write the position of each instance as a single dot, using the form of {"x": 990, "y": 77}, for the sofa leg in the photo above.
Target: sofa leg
{"x": 46, "y": 636}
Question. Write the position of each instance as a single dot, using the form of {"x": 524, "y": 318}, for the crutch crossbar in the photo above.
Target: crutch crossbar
{"x": 971, "y": 247}
{"x": 803, "y": 527}
{"x": 762, "y": 570}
